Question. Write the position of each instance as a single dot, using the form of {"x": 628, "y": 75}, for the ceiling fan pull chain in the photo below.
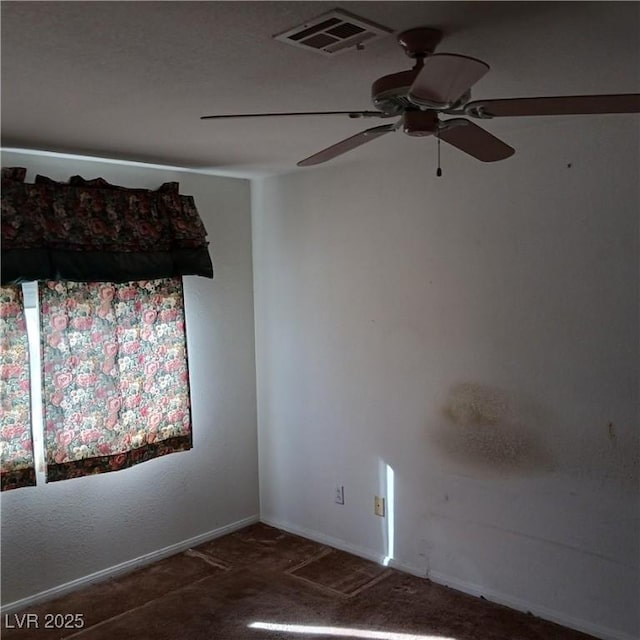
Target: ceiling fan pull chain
{"x": 439, "y": 170}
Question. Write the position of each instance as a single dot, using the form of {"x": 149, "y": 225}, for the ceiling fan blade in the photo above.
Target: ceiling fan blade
{"x": 347, "y": 144}
{"x": 351, "y": 114}
{"x": 445, "y": 78}
{"x": 474, "y": 140}
{"x": 555, "y": 106}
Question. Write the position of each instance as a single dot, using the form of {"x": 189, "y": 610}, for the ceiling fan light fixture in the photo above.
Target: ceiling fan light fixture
{"x": 420, "y": 123}
{"x": 444, "y": 79}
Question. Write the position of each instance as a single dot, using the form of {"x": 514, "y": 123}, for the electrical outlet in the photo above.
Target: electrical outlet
{"x": 378, "y": 506}
{"x": 339, "y": 494}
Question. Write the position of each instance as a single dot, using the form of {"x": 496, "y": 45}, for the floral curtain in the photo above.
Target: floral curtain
{"x": 93, "y": 231}
{"x": 115, "y": 381}
{"x": 16, "y": 444}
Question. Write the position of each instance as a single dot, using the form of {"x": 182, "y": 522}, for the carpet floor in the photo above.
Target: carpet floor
{"x": 261, "y": 583}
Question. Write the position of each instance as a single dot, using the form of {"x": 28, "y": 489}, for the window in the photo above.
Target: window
{"x": 30, "y": 294}
{"x": 16, "y": 446}
{"x": 114, "y": 381}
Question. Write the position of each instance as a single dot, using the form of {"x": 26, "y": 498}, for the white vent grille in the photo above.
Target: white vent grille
{"x": 332, "y": 33}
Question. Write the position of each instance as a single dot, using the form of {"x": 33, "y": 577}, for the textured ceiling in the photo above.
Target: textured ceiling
{"x": 129, "y": 80}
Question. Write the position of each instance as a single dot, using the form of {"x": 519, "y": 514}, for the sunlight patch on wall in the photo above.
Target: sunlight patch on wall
{"x": 390, "y": 480}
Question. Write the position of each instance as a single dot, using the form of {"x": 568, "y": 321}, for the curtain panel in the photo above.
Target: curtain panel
{"x": 115, "y": 380}
{"x": 93, "y": 231}
{"x": 16, "y": 443}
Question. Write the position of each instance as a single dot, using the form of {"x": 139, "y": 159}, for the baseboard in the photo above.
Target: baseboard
{"x": 124, "y": 567}
{"x": 337, "y": 543}
{"x": 538, "y": 610}
{"x": 460, "y": 585}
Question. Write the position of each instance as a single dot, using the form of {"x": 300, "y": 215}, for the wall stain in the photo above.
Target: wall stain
{"x": 619, "y": 462}
{"x": 611, "y": 431}
{"x": 493, "y": 429}
{"x": 488, "y": 430}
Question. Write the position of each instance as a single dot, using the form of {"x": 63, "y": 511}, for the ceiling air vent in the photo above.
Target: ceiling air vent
{"x": 332, "y": 33}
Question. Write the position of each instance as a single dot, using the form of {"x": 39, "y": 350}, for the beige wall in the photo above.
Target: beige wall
{"x": 478, "y": 334}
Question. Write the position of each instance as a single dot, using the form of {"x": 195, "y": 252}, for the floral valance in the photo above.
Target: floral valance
{"x": 93, "y": 231}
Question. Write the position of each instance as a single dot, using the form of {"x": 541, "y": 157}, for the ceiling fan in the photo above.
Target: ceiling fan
{"x": 440, "y": 83}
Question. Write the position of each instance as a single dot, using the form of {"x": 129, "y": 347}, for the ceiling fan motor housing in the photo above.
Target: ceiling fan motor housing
{"x": 390, "y": 93}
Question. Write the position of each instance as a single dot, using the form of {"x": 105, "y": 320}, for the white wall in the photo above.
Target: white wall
{"x": 478, "y": 333}
{"x": 55, "y": 533}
